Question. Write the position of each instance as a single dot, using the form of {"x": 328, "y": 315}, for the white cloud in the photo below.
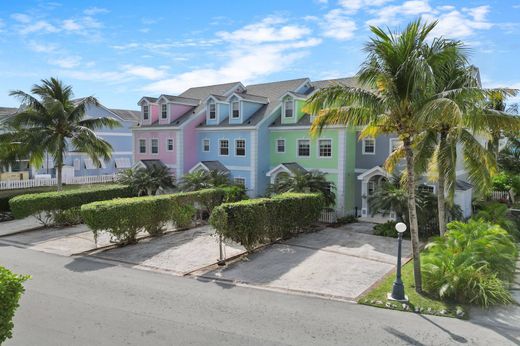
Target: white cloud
{"x": 392, "y": 15}
{"x": 353, "y": 6}
{"x": 66, "y": 62}
{"x": 42, "y": 47}
{"x": 21, "y": 18}
{"x": 145, "y": 71}
{"x": 71, "y": 25}
{"x": 460, "y": 24}
{"x": 336, "y": 24}
{"x": 95, "y": 10}
{"x": 39, "y": 26}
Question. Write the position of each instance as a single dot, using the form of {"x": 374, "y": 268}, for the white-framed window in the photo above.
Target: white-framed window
{"x": 146, "y": 112}
{"x": 205, "y": 145}
{"x": 240, "y": 181}
{"x": 280, "y": 145}
{"x": 240, "y": 147}
{"x": 304, "y": 148}
{"x": 288, "y": 108}
{"x": 395, "y": 143}
{"x": 164, "y": 111}
{"x": 235, "y": 109}
{"x": 169, "y": 144}
{"x": 325, "y": 147}
{"x": 426, "y": 188}
{"x": 155, "y": 146}
{"x": 212, "y": 110}
{"x": 142, "y": 146}
{"x": 369, "y": 146}
{"x": 224, "y": 147}
{"x": 371, "y": 187}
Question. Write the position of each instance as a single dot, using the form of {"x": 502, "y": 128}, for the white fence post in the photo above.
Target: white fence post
{"x": 23, "y": 184}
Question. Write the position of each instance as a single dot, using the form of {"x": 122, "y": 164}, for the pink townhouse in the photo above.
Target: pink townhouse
{"x": 165, "y": 135}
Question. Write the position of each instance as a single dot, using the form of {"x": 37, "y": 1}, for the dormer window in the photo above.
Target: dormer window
{"x": 235, "y": 109}
{"x": 164, "y": 111}
{"x": 212, "y": 110}
{"x": 288, "y": 108}
{"x": 146, "y": 113}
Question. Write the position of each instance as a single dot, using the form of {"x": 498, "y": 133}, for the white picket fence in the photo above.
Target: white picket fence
{"x": 328, "y": 216}
{"x": 89, "y": 179}
{"x": 501, "y": 195}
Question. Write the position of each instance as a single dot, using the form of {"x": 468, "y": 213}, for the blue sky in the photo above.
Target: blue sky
{"x": 119, "y": 51}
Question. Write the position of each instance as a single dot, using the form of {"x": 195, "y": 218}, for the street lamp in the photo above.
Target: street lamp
{"x": 398, "y": 287}
{"x": 221, "y": 260}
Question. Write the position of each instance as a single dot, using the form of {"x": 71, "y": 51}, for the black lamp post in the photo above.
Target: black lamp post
{"x": 398, "y": 287}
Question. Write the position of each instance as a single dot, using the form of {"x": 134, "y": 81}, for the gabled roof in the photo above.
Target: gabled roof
{"x": 209, "y": 166}
{"x": 305, "y": 120}
{"x": 218, "y": 97}
{"x": 148, "y": 99}
{"x": 462, "y": 185}
{"x": 348, "y": 81}
{"x": 203, "y": 92}
{"x": 127, "y": 114}
{"x": 377, "y": 170}
{"x": 182, "y": 100}
{"x": 288, "y": 167}
{"x": 5, "y": 112}
{"x": 249, "y": 97}
{"x": 152, "y": 163}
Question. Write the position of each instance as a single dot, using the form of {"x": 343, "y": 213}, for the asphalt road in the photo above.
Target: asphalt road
{"x": 80, "y": 301}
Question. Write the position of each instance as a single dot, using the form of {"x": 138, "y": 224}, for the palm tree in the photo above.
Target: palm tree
{"x": 306, "y": 181}
{"x": 509, "y": 158}
{"x": 201, "y": 179}
{"x": 397, "y": 78}
{"x": 455, "y": 117}
{"x": 147, "y": 181}
{"x": 54, "y": 124}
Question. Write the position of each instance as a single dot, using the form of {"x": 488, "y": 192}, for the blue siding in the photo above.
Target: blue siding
{"x": 263, "y": 157}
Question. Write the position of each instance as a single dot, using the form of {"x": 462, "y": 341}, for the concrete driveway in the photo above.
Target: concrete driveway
{"x": 335, "y": 262}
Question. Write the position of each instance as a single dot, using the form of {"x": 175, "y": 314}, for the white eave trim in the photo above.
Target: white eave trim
{"x": 280, "y": 168}
{"x": 371, "y": 172}
{"x": 198, "y": 166}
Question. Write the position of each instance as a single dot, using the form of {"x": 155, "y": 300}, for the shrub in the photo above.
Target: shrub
{"x": 386, "y": 229}
{"x": 50, "y": 202}
{"x": 502, "y": 182}
{"x": 11, "y": 290}
{"x": 6, "y": 195}
{"x": 256, "y": 221}
{"x": 497, "y": 213}
{"x": 470, "y": 264}
{"x": 125, "y": 217}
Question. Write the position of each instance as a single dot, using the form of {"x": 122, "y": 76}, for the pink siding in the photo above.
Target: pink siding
{"x": 177, "y": 110}
{"x": 154, "y": 112}
{"x": 167, "y": 157}
{"x": 190, "y": 143}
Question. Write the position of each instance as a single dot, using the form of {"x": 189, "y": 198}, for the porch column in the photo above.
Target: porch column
{"x": 364, "y": 197}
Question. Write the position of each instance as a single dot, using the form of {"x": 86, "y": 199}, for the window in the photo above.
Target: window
{"x": 304, "y": 148}
{"x": 155, "y": 146}
{"x": 146, "y": 113}
{"x": 280, "y": 146}
{"x": 240, "y": 181}
{"x": 212, "y": 110}
{"x": 142, "y": 146}
{"x": 371, "y": 187}
{"x": 169, "y": 144}
{"x": 164, "y": 111}
{"x": 288, "y": 108}
{"x": 325, "y": 147}
{"x": 224, "y": 147}
{"x": 240, "y": 147}
{"x": 205, "y": 145}
{"x": 426, "y": 188}
{"x": 395, "y": 143}
{"x": 235, "y": 109}
{"x": 369, "y": 146}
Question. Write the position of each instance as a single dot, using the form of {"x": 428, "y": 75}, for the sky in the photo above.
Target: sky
{"x": 119, "y": 51}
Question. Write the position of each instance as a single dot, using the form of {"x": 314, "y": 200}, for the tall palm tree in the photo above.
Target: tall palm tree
{"x": 306, "y": 181}
{"x": 456, "y": 117}
{"x": 50, "y": 122}
{"x": 397, "y": 78}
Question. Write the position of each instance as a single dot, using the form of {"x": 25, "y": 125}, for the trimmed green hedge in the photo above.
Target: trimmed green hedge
{"x": 256, "y": 221}
{"x": 125, "y": 217}
{"x": 6, "y": 195}
{"x": 11, "y": 290}
{"x": 48, "y": 202}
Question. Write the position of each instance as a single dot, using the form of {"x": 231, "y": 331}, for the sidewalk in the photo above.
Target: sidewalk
{"x": 16, "y": 226}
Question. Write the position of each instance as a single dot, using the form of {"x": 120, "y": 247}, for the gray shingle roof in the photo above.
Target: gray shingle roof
{"x": 294, "y": 167}
{"x": 215, "y": 166}
{"x": 219, "y": 97}
{"x": 153, "y": 163}
{"x": 255, "y": 98}
{"x": 462, "y": 185}
{"x": 349, "y": 81}
{"x": 305, "y": 120}
{"x": 7, "y": 111}
{"x": 127, "y": 114}
{"x": 203, "y": 92}
{"x": 184, "y": 100}
{"x": 150, "y": 99}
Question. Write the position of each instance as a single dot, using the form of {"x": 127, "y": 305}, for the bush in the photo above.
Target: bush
{"x": 11, "y": 290}
{"x": 502, "y": 182}
{"x": 497, "y": 213}
{"x": 6, "y": 195}
{"x": 471, "y": 264}
{"x": 256, "y": 221}
{"x": 125, "y": 217}
{"x": 386, "y": 229}
{"x": 49, "y": 202}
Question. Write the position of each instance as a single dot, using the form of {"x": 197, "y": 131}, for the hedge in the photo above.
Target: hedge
{"x": 125, "y": 217}
{"x": 11, "y": 289}
{"x": 6, "y": 195}
{"x": 256, "y": 221}
{"x": 49, "y": 202}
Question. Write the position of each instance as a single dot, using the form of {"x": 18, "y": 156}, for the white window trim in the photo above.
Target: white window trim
{"x": 298, "y": 148}
{"x": 240, "y": 177}
{"x": 239, "y": 110}
{"x": 331, "y": 149}
{"x": 293, "y": 109}
{"x": 166, "y": 117}
{"x": 391, "y": 145}
{"x": 211, "y": 102}
{"x": 167, "y": 144}
{"x": 428, "y": 185}
{"x": 145, "y": 146}
{"x": 245, "y": 147}
{"x": 219, "y": 146}
{"x": 284, "y": 145}
{"x": 149, "y": 111}
{"x": 363, "y": 148}
{"x": 209, "y": 145}
{"x": 151, "y": 146}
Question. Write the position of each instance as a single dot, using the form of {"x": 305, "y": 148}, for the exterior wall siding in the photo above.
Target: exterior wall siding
{"x": 167, "y": 157}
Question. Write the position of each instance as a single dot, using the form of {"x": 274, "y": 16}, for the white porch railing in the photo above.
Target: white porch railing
{"x": 328, "y": 216}
{"x": 23, "y": 184}
{"x": 501, "y": 195}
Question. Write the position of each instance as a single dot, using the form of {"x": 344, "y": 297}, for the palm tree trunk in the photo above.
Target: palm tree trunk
{"x": 59, "y": 168}
{"x": 412, "y": 213}
{"x": 441, "y": 183}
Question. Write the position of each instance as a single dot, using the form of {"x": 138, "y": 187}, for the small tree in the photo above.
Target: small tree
{"x": 201, "y": 179}
{"x": 11, "y": 290}
{"x": 147, "y": 181}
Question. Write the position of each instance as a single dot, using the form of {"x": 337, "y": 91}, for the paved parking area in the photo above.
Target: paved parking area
{"x": 335, "y": 262}
{"x": 16, "y": 226}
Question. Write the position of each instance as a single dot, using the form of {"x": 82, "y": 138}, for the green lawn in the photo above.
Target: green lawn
{"x": 417, "y": 302}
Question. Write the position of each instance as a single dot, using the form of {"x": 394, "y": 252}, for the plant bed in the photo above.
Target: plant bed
{"x": 419, "y": 303}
